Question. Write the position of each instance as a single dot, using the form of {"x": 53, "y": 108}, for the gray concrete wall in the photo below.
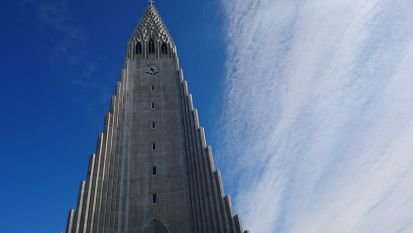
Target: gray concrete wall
{"x": 171, "y": 183}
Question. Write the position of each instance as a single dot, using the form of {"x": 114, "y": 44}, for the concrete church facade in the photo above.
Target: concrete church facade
{"x": 153, "y": 171}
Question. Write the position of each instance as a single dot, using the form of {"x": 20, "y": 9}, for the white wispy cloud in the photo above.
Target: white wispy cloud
{"x": 69, "y": 41}
{"x": 55, "y": 17}
{"x": 319, "y": 114}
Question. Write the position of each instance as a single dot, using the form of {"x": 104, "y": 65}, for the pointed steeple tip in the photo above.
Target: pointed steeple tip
{"x": 151, "y": 31}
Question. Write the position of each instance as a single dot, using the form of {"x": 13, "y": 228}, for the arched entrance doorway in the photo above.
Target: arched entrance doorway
{"x": 155, "y": 226}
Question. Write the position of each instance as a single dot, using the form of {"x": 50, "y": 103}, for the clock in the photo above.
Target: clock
{"x": 152, "y": 69}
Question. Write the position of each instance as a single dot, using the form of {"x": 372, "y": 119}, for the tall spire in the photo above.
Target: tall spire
{"x": 152, "y": 170}
{"x": 151, "y": 29}
{"x": 152, "y": 25}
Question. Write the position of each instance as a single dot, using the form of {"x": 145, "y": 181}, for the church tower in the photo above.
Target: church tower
{"x": 153, "y": 171}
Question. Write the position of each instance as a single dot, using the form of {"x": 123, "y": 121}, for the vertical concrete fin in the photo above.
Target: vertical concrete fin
{"x": 204, "y": 181}
{"x": 211, "y": 158}
{"x": 214, "y": 195}
{"x": 113, "y": 104}
{"x": 95, "y": 182}
{"x": 119, "y": 86}
{"x": 220, "y": 200}
{"x": 238, "y": 225}
{"x": 89, "y": 191}
{"x": 191, "y": 104}
{"x": 181, "y": 75}
{"x": 105, "y": 173}
{"x": 113, "y": 174}
{"x": 186, "y": 89}
{"x": 212, "y": 210}
{"x": 218, "y": 178}
{"x": 176, "y": 58}
{"x": 199, "y": 176}
{"x": 203, "y": 138}
{"x": 106, "y": 122}
{"x": 108, "y": 185}
{"x": 123, "y": 75}
{"x": 91, "y": 166}
{"x": 216, "y": 198}
{"x": 80, "y": 206}
{"x": 196, "y": 221}
{"x": 100, "y": 177}
{"x": 228, "y": 207}
{"x": 198, "y": 170}
{"x": 208, "y": 174}
{"x": 196, "y": 119}
{"x": 112, "y": 208}
{"x": 99, "y": 143}
{"x": 70, "y": 220}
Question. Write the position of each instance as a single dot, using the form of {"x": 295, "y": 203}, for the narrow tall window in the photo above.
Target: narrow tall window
{"x": 153, "y": 105}
{"x": 139, "y": 48}
{"x": 154, "y": 171}
{"x": 153, "y": 146}
{"x": 153, "y": 125}
{"x": 164, "y": 48}
{"x": 154, "y": 198}
{"x": 152, "y": 87}
{"x": 151, "y": 46}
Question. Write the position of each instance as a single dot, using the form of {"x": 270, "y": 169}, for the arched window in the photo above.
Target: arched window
{"x": 138, "y": 48}
{"x": 164, "y": 48}
{"x": 151, "y": 46}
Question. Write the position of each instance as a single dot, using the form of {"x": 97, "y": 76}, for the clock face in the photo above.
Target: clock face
{"x": 152, "y": 69}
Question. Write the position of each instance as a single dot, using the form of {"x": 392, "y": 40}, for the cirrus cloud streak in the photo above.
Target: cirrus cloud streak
{"x": 319, "y": 114}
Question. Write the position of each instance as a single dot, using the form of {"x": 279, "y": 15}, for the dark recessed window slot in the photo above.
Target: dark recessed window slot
{"x": 154, "y": 198}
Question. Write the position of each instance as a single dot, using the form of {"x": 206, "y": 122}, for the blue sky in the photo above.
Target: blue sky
{"x": 59, "y": 65}
{"x": 317, "y": 129}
